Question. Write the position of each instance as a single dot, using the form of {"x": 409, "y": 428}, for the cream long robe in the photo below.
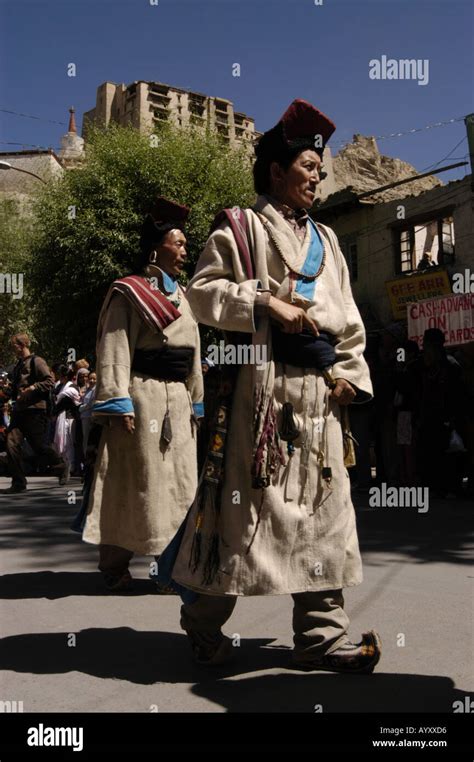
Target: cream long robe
{"x": 141, "y": 492}
{"x": 306, "y": 538}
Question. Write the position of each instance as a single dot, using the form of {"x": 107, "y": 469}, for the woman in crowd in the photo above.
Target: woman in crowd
{"x": 66, "y": 411}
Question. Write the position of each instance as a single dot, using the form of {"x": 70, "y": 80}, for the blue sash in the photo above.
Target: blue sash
{"x": 312, "y": 263}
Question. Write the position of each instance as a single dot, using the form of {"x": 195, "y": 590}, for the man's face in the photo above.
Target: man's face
{"x": 432, "y": 354}
{"x": 171, "y": 254}
{"x": 298, "y": 183}
{"x": 17, "y": 348}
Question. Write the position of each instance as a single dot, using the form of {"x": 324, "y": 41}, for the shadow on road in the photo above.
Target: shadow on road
{"x": 52, "y": 585}
{"x": 291, "y": 692}
{"x": 443, "y": 534}
{"x": 158, "y": 657}
{"x": 127, "y": 654}
{"x": 38, "y": 522}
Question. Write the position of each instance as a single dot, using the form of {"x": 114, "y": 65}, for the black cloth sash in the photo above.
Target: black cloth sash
{"x": 167, "y": 364}
{"x": 304, "y": 350}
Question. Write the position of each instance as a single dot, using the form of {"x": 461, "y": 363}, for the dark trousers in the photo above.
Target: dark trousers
{"x": 30, "y": 425}
{"x": 114, "y": 560}
{"x": 434, "y": 471}
{"x": 320, "y": 623}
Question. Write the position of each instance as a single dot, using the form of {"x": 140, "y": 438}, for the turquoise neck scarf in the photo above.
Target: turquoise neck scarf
{"x": 312, "y": 263}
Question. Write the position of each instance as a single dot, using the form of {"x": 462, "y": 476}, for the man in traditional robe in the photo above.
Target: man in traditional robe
{"x": 149, "y": 396}
{"x": 281, "y": 520}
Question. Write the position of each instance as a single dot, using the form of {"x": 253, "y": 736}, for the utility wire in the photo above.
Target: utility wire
{"x": 432, "y": 166}
{"x": 30, "y": 116}
{"x": 414, "y": 130}
{"x": 29, "y": 145}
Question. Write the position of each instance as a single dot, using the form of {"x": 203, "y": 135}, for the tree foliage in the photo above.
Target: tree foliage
{"x": 87, "y": 224}
{"x": 16, "y": 309}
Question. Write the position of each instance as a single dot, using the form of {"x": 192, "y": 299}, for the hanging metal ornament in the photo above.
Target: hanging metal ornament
{"x": 289, "y": 429}
{"x": 166, "y": 431}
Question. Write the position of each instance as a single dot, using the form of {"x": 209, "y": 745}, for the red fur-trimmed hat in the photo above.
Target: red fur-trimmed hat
{"x": 301, "y": 126}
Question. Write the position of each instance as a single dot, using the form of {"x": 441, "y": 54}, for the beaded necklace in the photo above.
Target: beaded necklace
{"x": 292, "y": 270}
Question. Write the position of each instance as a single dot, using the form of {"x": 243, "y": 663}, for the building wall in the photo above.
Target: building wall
{"x": 372, "y": 227}
{"x": 19, "y": 185}
{"x": 145, "y": 104}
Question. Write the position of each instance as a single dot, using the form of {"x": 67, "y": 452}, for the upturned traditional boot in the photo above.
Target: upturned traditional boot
{"x": 118, "y": 583}
{"x": 210, "y": 649}
{"x": 357, "y": 658}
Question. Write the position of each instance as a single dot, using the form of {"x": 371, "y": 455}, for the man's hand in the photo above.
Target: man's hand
{"x": 343, "y": 393}
{"x": 292, "y": 319}
{"x": 129, "y": 423}
{"x": 23, "y": 394}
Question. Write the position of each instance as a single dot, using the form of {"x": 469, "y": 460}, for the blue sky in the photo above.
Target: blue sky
{"x": 286, "y": 49}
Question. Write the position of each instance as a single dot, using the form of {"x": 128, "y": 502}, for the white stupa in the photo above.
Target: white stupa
{"x": 72, "y": 145}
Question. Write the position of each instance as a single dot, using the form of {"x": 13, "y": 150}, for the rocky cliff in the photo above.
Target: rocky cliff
{"x": 361, "y": 166}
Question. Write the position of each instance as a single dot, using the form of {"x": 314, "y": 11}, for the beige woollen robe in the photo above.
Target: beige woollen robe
{"x": 141, "y": 491}
{"x": 306, "y": 537}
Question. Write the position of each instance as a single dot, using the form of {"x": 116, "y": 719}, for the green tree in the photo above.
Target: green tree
{"x": 16, "y": 310}
{"x": 88, "y": 223}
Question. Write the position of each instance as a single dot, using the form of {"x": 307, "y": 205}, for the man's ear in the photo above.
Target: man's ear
{"x": 276, "y": 172}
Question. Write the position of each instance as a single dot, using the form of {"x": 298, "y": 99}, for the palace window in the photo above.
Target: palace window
{"x": 425, "y": 244}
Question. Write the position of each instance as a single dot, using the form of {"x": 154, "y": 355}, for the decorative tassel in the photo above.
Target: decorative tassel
{"x": 267, "y": 456}
{"x": 211, "y": 567}
{"x": 196, "y": 547}
{"x": 166, "y": 432}
{"x": 206, "y": 499}
{"x": 259, "y": 515}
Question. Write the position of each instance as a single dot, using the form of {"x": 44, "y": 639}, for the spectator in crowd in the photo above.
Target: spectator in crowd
{"x": 407, "y": 385}
{"x": 439, "y": 416}
{"x": 4, "y": 409}
{"x": 467, "y": 423}
{"x": 66, "y": 410}
{"x": 82, "y": 377}
{"x": 32, "y": 382}
{"x": 85, "y": 409}
{"x": 387, "y": 454}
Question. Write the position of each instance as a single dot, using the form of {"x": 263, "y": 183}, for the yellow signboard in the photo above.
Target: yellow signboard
{"x": 414, "y": 288}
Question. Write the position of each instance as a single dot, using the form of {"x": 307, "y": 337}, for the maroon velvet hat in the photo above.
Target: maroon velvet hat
{"x": 298, "y": 128}
{"x": 163, "y": 216}
{"x": 166, "y": 211}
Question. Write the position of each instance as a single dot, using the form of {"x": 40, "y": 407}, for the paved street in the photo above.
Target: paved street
{"x": 130, "y": 655}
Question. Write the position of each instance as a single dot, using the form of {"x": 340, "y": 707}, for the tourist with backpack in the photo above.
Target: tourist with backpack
{"x": 31, "y": 386}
